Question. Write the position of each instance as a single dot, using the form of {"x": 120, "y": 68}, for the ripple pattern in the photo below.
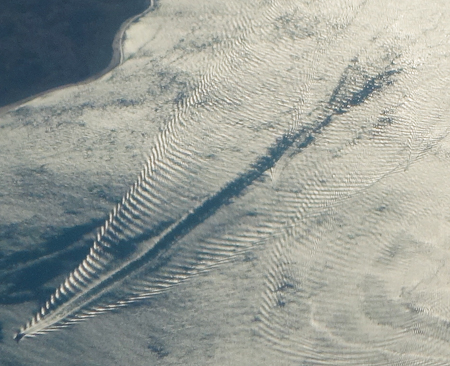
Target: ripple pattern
{"x": 311, "y": 136}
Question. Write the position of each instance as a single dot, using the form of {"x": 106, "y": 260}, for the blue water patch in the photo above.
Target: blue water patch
{"x": 47, "y": 44}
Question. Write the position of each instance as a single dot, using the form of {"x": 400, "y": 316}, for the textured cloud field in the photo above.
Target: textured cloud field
{"x": 292, "y": 206}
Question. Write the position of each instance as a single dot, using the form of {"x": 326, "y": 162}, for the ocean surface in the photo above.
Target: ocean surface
{"x": 255, "y": 183}
{"x": 47, "y": 44}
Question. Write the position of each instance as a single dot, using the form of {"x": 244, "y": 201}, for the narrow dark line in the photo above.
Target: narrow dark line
{"x": 209, "y": 207}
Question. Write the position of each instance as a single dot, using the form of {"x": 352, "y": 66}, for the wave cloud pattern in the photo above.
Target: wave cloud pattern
{"x": 293, "y": 206}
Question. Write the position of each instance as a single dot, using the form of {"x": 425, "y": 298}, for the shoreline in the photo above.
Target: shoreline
{"x": 116, "y": 60}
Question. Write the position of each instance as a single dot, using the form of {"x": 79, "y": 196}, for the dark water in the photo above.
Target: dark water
{"x": 46, "y": 44}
